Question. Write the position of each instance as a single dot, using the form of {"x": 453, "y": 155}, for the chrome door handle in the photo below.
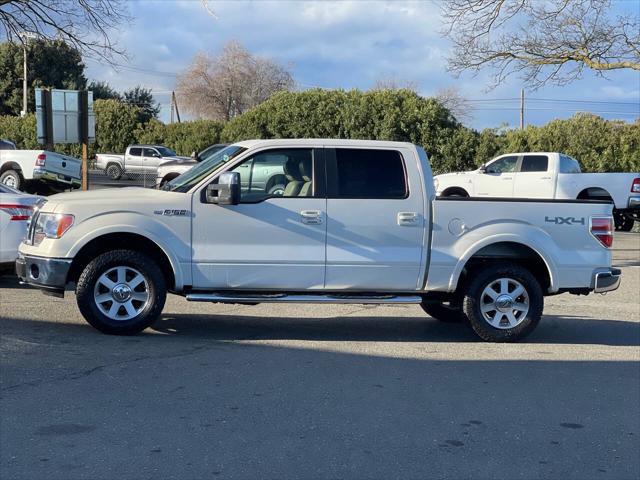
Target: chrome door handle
{"x": 545, "y": 178}
{"x": 311, "y": 217}
{"x": 407, "y": 218}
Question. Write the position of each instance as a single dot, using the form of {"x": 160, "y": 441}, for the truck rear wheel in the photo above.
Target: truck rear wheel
{"x": 11, "y": 178}
{"x": 445, "y": 312}
{"x": 622, "y": 222}
{"x": 113, "y": 171}
{"x": 121, "y": 292}
{"x": 503, "y": 303}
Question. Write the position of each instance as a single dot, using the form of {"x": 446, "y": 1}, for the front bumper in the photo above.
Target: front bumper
{"x": 40, "y": 174}
{"x": 49, "y": 274}
{"x": 607, "y": 280}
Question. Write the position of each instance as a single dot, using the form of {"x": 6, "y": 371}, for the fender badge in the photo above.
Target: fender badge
{"x": 172, "y": 213}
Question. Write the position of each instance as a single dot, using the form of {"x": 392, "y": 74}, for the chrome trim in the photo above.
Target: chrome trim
{"x": 303, "y": 298}
{"x": 52, "y": 272}
{"x": 607, "y": 280}
{"x": 634, "y": 202}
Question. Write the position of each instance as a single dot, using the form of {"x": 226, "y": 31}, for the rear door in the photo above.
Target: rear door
{"x": 497, "y": 180}
{"x": 375, "y": 220}
{"x": 534, "y": 178}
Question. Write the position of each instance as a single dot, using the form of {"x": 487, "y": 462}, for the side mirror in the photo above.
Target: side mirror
{"x": 226, "y": 191}
{"x": 483, "y": 168}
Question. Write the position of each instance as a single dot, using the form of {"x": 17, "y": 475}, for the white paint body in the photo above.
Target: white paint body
{"x": 358, "y": 246}
{"x": 551, "y": 183}
{"x": 58, "y": 168}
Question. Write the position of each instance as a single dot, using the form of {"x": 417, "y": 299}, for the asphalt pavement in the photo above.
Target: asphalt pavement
{"x": 304, "y": 392}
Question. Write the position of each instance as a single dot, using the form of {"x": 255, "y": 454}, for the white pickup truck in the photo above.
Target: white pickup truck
{"x": 546, "y": 175}
{"x": 18, "y": 168}
{"x": 143, "y": 159}
{"x": 357, "y": 222}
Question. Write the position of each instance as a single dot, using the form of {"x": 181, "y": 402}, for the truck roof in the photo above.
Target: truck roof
{"x": 341, "y": 142}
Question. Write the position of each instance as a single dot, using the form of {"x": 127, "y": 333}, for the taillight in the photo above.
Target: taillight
{"x": 602, "y": 229}
{"x": 635, "y": 186}
{"x": 17, "y": 212}
{"x": 41, "y": 160}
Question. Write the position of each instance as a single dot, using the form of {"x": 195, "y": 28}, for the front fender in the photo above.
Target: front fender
{"x": 535, "y": 238}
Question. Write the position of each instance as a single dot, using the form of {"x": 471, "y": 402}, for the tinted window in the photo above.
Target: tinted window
{"x": 136, "y": 152}
{"x": 276, "y": 173}
{"x": 6, "y": 145}
{"x": 166, "y": 152}
{"x": 504, "y": 164}
{"x": 150, "y": 152}
{"x": 534, "y": 163}
{"x": 370, "y": 174}
{"x": 569, "y": 165}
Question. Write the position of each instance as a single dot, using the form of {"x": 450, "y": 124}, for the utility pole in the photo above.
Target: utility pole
{"x": 522, "y": 109}
{"x": 25, "y": 39}
{"x": 174, "y": 104}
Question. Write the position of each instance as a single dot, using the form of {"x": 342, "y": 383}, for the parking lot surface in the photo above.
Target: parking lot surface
{"x": 299, "y": 391}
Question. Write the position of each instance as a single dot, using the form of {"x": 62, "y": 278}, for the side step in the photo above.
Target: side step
{"x": 302, "y": 298}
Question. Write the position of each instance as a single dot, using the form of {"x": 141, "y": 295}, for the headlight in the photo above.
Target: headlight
{"x": 51, "y": 225}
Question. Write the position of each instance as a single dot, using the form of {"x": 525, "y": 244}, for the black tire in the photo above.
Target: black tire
{"x": 113, "y": 171}
{"x": 155, "y": 285}
{"x": 12, "y": 178}
{"x": 275, "y": 189}
{"x": 622, "y": 222}
{"x": 444, "y": 312}
{"x": 474, "y": 298}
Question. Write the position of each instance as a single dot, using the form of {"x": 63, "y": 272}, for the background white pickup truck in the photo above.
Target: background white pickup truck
{"x": 143, "y": 159}
{"x": 546, "y": 175}
{"x": 356, "y": 222}
{"x": 18, "y": 168}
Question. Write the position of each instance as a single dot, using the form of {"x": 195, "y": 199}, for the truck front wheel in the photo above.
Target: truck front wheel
{"x": 503, "y": 302}
{"x": 121, "y": 292}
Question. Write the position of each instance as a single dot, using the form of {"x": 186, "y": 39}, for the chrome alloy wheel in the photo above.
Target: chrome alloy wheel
{"x": 10, "y": 181}
{"x": 121, "y": 293}
{"x": 504, "y": 303}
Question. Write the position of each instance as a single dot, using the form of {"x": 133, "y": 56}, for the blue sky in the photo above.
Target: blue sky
{"x": 348, "y": 44}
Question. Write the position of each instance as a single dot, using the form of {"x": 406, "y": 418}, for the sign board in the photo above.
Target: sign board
{"x": 59, "y": 116}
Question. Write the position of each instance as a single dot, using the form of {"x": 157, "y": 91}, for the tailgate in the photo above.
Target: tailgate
{"x": 65, "y": 168}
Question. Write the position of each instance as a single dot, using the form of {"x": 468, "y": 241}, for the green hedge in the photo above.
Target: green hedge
{"x": 600, "y": 145}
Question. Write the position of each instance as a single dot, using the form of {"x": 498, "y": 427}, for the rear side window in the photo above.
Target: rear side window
{"x": 534, "y": 163}
{"x": 569, "y": 165}
{"x": 136, "y": 152}
{"x": 370, "y": 174}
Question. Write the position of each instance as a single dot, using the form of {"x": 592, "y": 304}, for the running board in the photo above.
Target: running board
{"x": 303, "y": 298}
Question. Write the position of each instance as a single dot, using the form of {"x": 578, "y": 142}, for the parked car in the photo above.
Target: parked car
{"x": 356, "y": 223}
{"x": 16, "y": 209}
{"x": 136, "y": 159}
{"x": 547, "y": 175}
{"x": 19, "y": 168}
{"x": 172, "y": 169}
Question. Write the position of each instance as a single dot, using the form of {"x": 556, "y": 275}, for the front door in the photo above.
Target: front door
{"x": 275, "y": 238}
{"x": 497, "y": 180}
{"x": 376, "y": 220}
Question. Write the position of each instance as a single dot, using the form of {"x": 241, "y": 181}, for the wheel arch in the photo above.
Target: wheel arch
{"x": 10, "y": 165}
{"x": 451, "y": 191}
{"x": 125, "y": 241}
{"x": 594, "y": 193}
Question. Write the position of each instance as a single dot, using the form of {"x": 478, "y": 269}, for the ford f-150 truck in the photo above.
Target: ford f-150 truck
{"x": 19, "y": 168}
{"x": 547, "y": 175}
{"x": 136, "y": 159}
{"x": 357, "y": 222}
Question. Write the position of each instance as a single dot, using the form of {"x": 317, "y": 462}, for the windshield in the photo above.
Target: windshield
{"x": 166, "y": 152}
{"x": 191, "y": 177}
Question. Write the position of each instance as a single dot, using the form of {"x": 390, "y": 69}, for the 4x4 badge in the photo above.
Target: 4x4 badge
{"x": 564, "y": 220}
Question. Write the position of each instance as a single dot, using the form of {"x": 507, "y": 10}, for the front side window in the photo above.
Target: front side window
{"x": 370, "y": 174}
{"x": 534, "y": 163}
{"x": 149, "y": 152}
{"x": 135, "y": 152}
{"x": 276, "y": 173}
{"x": 503, "y": 165}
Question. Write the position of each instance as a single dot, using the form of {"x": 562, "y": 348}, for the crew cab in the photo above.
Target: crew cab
{"x": 547, "y": 175}
{"x": 143, "y": 159}
{"x": 357, "y": 222}
{"x": 19, "y": 168}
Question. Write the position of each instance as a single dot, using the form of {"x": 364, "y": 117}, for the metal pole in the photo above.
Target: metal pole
{"x": 84, "y": 134}
{"x": 522, "y": 109}
{"x": 24, "y": 79}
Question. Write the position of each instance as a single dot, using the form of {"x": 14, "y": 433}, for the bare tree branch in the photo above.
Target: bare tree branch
{"x": 84, "y": 24}
{"x": 549, "y": 41}
{"x": 227, "y": 85}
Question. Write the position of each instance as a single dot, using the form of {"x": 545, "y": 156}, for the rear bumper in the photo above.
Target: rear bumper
{"x": 40, "y": 174}
{"x": 607, "y": 280}
{"x": 48, "y": 274}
